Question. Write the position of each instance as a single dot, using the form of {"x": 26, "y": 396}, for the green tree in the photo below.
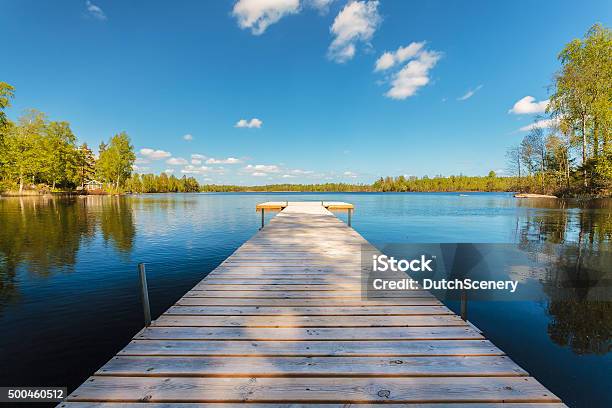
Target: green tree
{"x": 22, "y": 148}
{"x": 7, "y": 92}
{"x": 86, "y": 164}
{"x": 60, "y": 161}
{"x": 116, "y": 159}
{"x": 582, "y": 100}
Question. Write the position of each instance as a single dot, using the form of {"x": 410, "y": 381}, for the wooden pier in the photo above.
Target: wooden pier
{"x": 281, "y": 323}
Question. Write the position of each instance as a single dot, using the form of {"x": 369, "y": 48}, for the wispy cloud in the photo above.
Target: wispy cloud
{"x": 540, "y": 124}
{"x": 141, "y": 160}
{"x": 528, "y": 105}
{"x": 190, "y": 169}
{"x": 153, "y": 154}
{"x": 391, "y": 58}
{"x": 469, "y": 93}
{"x": 253, "y": 123}
{"x": 258, "y": 15}
{"x": 349, "y": 174}
{"x": 301, "y": 172}
{"x": 321, "y": 5}
{"x": 356, "y": 22}
{"x": 229, "y": 160}
{"x": 95, "y": 11}
{"x": 176, "y": 161}
{"x": 139, "y": 169}
{"x": 414, "y": 75}
{"x": 261, "y": 168}
{"x": 188, "y": 137}
{"x": 169, "y": 171}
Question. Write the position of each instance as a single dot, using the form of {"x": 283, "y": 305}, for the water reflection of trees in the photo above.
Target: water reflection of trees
{"x": 578, "y": 276}
{"x": 116, "y": 221}
{"x": 44, "y": 234}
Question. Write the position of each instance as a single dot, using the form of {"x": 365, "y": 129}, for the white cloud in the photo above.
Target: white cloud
{"x": 189, "y": 169}
{"x": 253, "y": 123}
{"x": 414, "y": 75}
{"x": 176, "y": 161}
{"x": 469, "y": 93}
{"x": 321, "y": 5}
{"x": 169, "y": 171}
{"x": 261, "y": 168}
{"x": 141, "y": 160}
{"x": 356, "y": 22}
{"x": 188, "y": 137}
{"x": 390, "y": 58}
{"x": 197, "y": 159}
{"x": 528, "y": 105}
{"x": 540, "y": 124}
{"x": 260, "y": 14}
{"x": 287, "y": 176}
{"x": 259, "y": 174}
{"x": 139, "y": 169}
{"x": 229, "y": 160}
{"x": 350, "y": 174}
{"x": 95, "y": 11}
{"x": 153, "y": 154}
{"x": 301, "y": 172}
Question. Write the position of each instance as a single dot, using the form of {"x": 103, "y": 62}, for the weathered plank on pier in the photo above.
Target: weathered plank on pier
{"x": 281, "y": 323}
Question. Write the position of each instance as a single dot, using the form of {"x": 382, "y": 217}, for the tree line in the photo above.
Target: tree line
{"x": 574, "y": 155}
{"x": 43, "y": 155}
{"x": 151, "y": 183}
{"x": 491, "y": 182}
{"x": 325, "y": 187}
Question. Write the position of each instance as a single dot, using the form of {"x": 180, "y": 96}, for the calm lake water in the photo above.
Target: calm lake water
{"x": 69, "y": 295}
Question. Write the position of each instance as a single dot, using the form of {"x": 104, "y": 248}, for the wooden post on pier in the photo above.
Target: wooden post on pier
{"x": 144, "y": 294}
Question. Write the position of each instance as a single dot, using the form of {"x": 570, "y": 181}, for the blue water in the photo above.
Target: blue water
{"x": 69, "y": 295}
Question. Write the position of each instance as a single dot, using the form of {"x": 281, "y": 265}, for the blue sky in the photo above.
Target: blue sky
{"x": 293, "y": 91}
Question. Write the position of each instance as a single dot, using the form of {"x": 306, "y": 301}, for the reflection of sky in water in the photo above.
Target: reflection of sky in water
{"x": 68, "y": 273}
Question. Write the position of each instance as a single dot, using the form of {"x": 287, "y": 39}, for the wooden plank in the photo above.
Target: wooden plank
{"x": 222, "y": 286}
{"x": 291, "y": 284}
{"x": 220, "y": 301}
{"x": 307, "y": 311}
{"x": 299, "y": 294}
{"x": 320, "y": 333}
{"x": 309, "y": 321}
{"x": 280, "y": 274}
{"x": 301, "y": 405}
{"x": 311, "y": 366}
{"x": 311, "y": 348}
{"x": 300, "y": 389}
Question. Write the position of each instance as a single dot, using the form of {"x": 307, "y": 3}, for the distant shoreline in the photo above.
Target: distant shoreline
{"x": 515, "y": 194}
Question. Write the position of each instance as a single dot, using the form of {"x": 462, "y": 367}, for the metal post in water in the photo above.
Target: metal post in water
{"x": 349, "y": 216}
{"x": 144, "y": 293}
{"x": 464, "y": 305}
{"x": 262, "y": 218}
